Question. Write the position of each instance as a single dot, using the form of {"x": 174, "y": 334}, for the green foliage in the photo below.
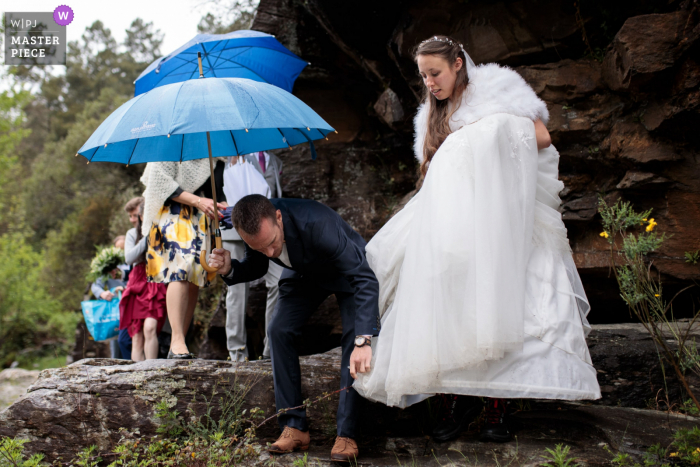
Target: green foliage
{"x": 654, "y": 456}
{"x": 230, "y": 16}
{"x": 11, "y": 454}
{"x": 559, "y": 457}
{"x": 686, "y": 446}
{"x": 302, "y": 461}
{"x": 689, "y": 407}
{"x": 11, "y": 134}
{"x": 692, "y": 257}
{"x": 87, "y": 457}
{"x": 169, "y": 420}
{"x": 217, "y": 437}
{"x": 28, "y": 314}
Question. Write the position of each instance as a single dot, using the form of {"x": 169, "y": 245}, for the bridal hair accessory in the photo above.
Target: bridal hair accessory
{"x": 469, "y": 62}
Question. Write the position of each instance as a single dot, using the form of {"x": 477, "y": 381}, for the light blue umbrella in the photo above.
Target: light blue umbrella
{"x": 170, "y": 123}
{"x": 239, "y": 54}
{"x": 212, "y": 117}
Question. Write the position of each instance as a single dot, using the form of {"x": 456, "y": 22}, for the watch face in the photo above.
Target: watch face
{"x": 359, "y": 340}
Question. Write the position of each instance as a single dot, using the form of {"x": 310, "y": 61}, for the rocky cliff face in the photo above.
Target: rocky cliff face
{"x": 621, "y": 82}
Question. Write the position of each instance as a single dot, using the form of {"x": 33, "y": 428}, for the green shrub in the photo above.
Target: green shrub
{"x": 28, "y": 314}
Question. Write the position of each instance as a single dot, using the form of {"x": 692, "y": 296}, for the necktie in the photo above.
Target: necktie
{"x": 261, "y": 160}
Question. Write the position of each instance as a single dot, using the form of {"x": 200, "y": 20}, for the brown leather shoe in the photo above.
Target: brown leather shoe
{"x": 291, "y": 440}
{"x": 344, "y": 450}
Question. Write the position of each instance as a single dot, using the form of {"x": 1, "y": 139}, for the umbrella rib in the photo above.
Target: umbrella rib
{"x": 311, "y": 143}
{"x": 284, "y": 138}
{"x": 234, "y": 142}
{"x": 132, "y": 152}
{"x": 182, "y": 147}
{"x": 93, "y": 154}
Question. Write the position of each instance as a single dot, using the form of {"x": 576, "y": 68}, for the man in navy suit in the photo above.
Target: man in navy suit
{"x": 322, "y": 255}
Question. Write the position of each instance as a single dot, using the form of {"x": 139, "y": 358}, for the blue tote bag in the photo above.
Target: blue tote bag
{"x": 102, "y": 317}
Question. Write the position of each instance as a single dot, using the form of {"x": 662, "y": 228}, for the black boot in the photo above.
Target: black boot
{"x": 495, "y": 427}
{"x": 457, "y": 412}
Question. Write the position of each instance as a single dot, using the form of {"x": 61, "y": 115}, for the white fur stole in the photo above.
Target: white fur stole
{"x": 492, "y": 89}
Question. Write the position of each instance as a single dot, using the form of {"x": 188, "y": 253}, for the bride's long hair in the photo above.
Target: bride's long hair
{"x": 440, "y": 112}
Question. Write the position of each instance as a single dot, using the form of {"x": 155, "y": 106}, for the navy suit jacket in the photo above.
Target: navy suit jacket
{"x": 324, "y": 250}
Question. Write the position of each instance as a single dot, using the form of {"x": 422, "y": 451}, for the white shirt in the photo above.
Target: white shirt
{"x": 284, "y": 256}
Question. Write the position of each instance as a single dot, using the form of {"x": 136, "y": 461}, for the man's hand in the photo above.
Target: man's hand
{"x": 107, "y": 295}
{"x": 221, "y": 259}
{"x": 360, "y": 360}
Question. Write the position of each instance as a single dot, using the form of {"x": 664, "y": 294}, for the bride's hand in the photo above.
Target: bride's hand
{"x": 360, "y": 360}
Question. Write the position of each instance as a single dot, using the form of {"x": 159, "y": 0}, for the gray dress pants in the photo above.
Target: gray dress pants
{"x": 237, "y": 301}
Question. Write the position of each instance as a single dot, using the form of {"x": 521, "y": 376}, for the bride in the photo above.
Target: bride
{"x": 479, "y": 293}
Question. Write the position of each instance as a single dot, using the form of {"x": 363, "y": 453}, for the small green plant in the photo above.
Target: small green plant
{"x": 12, "y": 454}
{"x": 301, "y": 461}
{"x": 655, "y": 455}
{"x": 169, "y": 420}
{"x": 686, "y": 446}
{"x": 689, "y": 407}
{"x": 88, "y": 457}
{"x": 559, "y": 457}
{"x": 622, "y": 459}
{"x": 641, "y": 289}
{"x": 692, "y": 257}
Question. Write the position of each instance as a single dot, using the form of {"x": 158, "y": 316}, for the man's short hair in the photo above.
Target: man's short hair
{"x": 249, "y": 212}
{"x": 133, "y": 204}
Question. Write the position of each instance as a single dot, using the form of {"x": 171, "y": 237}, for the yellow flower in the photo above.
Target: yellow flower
{"x": 645, "y": 219}
{"x": 673, "y": 454}
{"x": 656, "y": 295}
{"x": 651, "y": 225}
{"x": 604, "y": 234}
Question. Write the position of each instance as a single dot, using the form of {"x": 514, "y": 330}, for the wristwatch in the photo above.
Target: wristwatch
{"x": 361, "y": 341}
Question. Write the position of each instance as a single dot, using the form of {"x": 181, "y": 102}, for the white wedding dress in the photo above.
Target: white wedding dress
{"x": 479, "y": 293}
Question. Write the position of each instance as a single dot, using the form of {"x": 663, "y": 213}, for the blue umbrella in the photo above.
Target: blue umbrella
{"x": 200, "y": 118}
{"x": 239, "y": 54}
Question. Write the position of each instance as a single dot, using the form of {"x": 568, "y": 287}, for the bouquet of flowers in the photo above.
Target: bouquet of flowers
{"x": 107, "y": 259}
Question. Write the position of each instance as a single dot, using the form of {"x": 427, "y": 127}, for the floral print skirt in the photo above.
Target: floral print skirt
{"x": 174, "y": 243}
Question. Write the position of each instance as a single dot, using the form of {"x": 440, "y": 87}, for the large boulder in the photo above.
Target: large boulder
{"x": 89, "y": 401}
{"x": 648, "y": 45}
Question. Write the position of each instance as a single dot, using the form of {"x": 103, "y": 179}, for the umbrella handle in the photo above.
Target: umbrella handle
{"x": 203, "y": 255}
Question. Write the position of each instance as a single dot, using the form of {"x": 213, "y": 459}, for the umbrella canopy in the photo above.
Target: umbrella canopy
{"x": 169, "y": 123}
{"x": 239, "y": 54}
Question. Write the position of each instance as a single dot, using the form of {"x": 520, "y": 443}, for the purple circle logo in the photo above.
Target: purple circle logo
{"x": 63, "y": 15}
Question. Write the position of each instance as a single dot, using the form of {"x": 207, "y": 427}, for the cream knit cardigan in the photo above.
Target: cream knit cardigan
{"x": 163, "y": 178}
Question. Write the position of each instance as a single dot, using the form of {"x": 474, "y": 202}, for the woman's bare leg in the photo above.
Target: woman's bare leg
{"x": 137, "y": 347}
{"x": 178, "y": 302}
{"x": 193, "y": 295}
{"x": 150, "y": 335}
